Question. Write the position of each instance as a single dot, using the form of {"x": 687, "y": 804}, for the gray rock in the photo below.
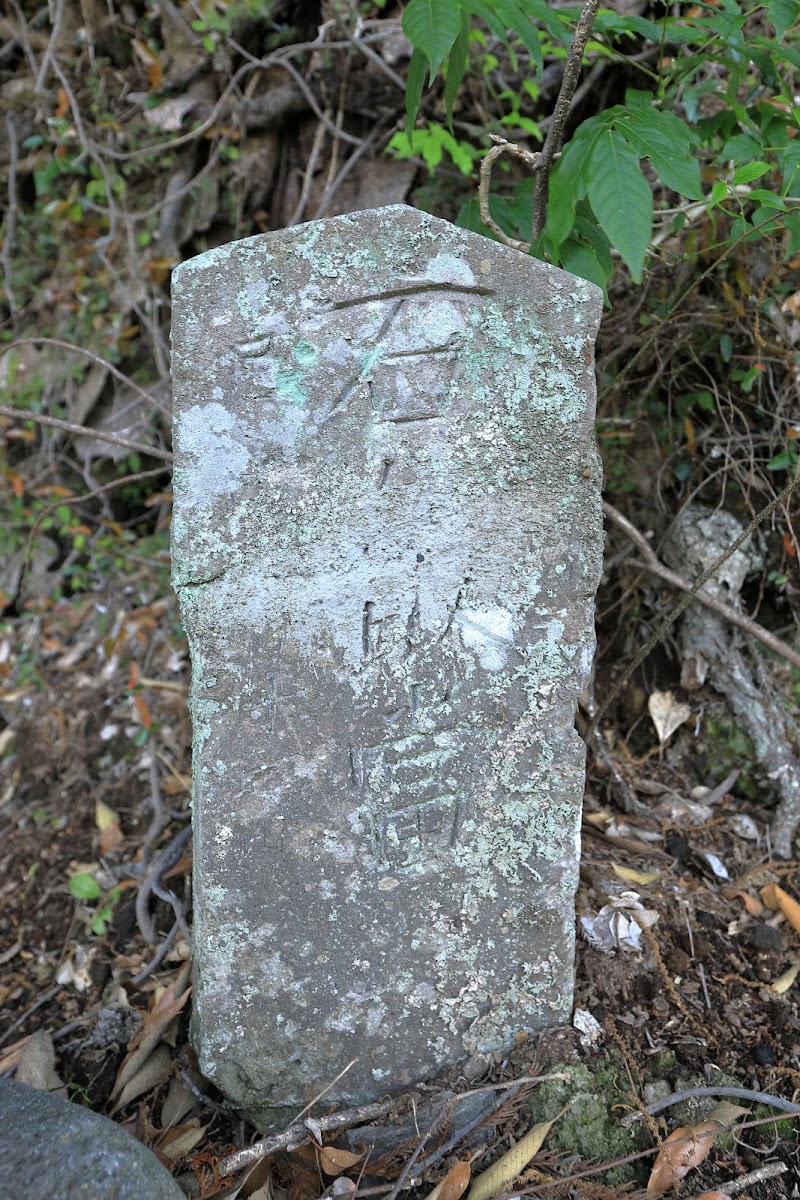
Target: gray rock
{"x": 51, "y": 1149}
{"x": 386, "y": 545}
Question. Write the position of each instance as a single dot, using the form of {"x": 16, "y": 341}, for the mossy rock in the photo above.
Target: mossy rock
{"x": 591, "y": 1127}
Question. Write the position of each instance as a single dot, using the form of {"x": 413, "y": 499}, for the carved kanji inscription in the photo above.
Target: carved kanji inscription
{"x": 386, "y": 546}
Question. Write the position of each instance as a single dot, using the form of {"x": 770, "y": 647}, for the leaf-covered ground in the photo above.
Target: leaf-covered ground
{"x": 135, "y": 138}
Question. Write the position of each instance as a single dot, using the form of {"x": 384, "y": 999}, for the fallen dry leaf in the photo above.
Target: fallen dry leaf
{"x": 667, "y": 714}
{"x": 632, "y": 876}
{"x": 454, "y": 1184}
{"x": 182, "y": 1139}
{"x": 334, "y": 1161}
{"x": 512, "y": 1164}
{"x": 684, "y": 1149}
{"x": 146, "y": 1038}
{"x": 152, "y": 1072}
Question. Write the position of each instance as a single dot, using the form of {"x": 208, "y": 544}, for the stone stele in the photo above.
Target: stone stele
{"x": 387, "y": 540}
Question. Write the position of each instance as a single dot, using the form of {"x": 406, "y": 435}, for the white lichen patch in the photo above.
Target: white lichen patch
{"x": 489, "y": 633}
{"x": 212, "y": 436}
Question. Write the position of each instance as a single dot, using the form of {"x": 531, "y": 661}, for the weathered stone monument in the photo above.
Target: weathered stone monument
{"x": 387, "y": 540}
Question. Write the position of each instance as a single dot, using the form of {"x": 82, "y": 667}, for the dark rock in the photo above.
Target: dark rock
{"x": 764, "y": 937}
{"x": 763, "y": 1056}
{"x": 51, "y": 1149}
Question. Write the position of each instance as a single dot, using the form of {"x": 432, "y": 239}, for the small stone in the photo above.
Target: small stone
{"x": 763, "y": 1056}
{"x": 51, "y": 1149}
{"x": 764, "y": 937}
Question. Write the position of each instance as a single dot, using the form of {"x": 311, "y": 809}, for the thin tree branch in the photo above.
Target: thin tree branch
{"x": 555, "y": 133}
{"x": 542, "y": 161}
{"x": 656, "y": 567}
{"x": 96, "y": 358}
{"x": 532, "y": 160}
{"x": 11, "y": 215}
{"x": 21, "y": 414}
{"x": 679, "y": 608}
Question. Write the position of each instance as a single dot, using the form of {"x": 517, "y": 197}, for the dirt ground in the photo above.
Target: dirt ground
{"x": 701, "y": 994}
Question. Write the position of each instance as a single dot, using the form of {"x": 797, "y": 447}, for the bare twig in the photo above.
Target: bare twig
{"x": 555, "y": 133}
{"x": 96, "y": 358}
{"x": 502, "y": 147}
{"x": 308, "y": 177}
{"x": 158, "y": 957}
{"x": 541, "y": 162}
{"x": 298, "y": 1132}
{"x": 656, "y": 567}
{"x": 365, "y": 49}
{"x": 21, "y": 414}
{"x": 43, "y": 999}
{"x": 55, "y": 33}
{"x": 162, "y": 861}
{"x": 679, "y": 608}
{"x": 279, "y": 58}
{"x": 11, "y": 214}
{"x": 768, "y": 1171}
{"x": 333, "y": 186}
{"x": 730, "y": 1093}
{"x": 464, "y": 1130}
{"x": 438, "y": 1117}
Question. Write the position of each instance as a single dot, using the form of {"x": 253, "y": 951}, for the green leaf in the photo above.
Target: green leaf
{"x": 611, "y": 22}
{"x": 768, "y": 199}
{"x": 456, "y": 65}
{"x": 84, "y": 886}
{"x": 726, "y": 347}
{"x": 581, "y": 260}
{"x": 570, "y": 179}
{"x": 789, "y": 162}
{"x": 718, "y": 193}
{"x": 101, "y": 919}
{"x": 739, "y": 148}
{"x": 621, "y": 199}
{"x": 517, "y": 20}
{"x": 665, "y": 140}
{"x": 783, "y": 14}
{"x": 782, "y": 461}
{"x": 462, "y": 153}
{"x": 787, "y": 54}
{"x": 749, "y": 171}
{"x": 415, "y": 81}
{"x": 432, "y": 26}
{"x": 502, "y": 15}
{"x": 487, "y": 13}
{"x": 558, "y": 25}
{"x": 586, "y": 227}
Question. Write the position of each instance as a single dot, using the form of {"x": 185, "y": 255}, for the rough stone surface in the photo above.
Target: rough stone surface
{"x": 51, "y": 1149}
{"x": 387, "y": 540}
